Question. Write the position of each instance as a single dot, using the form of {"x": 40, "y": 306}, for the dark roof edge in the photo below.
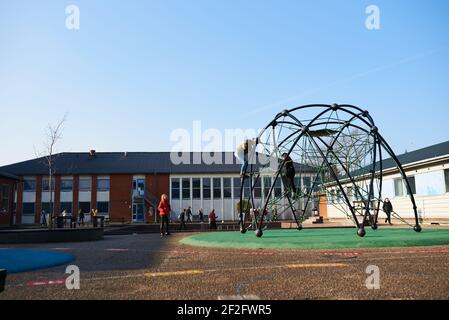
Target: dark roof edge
{"x": 9, "y": 176}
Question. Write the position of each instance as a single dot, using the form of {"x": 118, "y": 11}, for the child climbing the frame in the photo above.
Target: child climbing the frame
{"x": 289, "y": 172}
{"x": 242, "y": 152}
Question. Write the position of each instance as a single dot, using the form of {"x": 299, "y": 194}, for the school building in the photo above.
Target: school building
{"x": 126, "y": 186}
{"x": 427, "y": 170}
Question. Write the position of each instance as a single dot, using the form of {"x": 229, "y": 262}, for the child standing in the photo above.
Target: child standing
{"x": 164, "y": 211}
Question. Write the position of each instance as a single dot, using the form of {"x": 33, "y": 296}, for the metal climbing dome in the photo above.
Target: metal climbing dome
{"x": 337, "y": 147}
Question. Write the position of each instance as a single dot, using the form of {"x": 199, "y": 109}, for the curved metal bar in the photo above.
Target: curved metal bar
{"x": 404, "y": 177}
{"x": 371, "y": 188}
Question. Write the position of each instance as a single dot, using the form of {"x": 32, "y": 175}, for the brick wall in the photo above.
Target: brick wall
{"x": 5, "y": 218}
{"x": 120, "y": 198}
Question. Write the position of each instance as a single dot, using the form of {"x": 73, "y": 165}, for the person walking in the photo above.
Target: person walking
{"x": 201, "y": 215}
{"x": 44, "y": 218}
{"x": 164, "y": 211}
{"x": 388, "y": 209}
{"x": 182, "y": 220}
{"x": 189, "y": 214}
{"x": 81, "y": 217}
{"x": 212, "y": 220}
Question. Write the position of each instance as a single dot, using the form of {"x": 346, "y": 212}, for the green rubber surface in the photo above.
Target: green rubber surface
{"x": 310, "y": 239}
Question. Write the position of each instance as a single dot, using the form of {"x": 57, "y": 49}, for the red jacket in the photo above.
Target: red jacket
{"x": 212, "y": 216}
{"x": 164, "y": 208}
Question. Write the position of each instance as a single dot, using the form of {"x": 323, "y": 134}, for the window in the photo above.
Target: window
{"x": 246, "y": 189}
{"x": 298, "y": 183}
{"x": 29, "y": 185}
{"x": 206, "y": 189}
{"x": 339, "y": 196}
{"x": 398, "y": 187}
{"x": 66, "y": 185}
{"x": 258, "y": 189}
{"x": 139, "y": 185}
{"x": 412, "y": 182}
{"x": 237, "y": 187}
{"x": 307, "y": 182}
{"x": 84, "y": 207}
{"x": 175, "y": 189}
{"x": 47, "y": 208}
{"x": 196, "y": 186}
{"x": 28, "y": 209}
{"x": 103, "y": 207}
{"x": 217, "y": 188}
{"x": 266, "y": 186}
{"x": 278, "y": 188}
{"x": 85, "y": 184}
{"x": 227, "y": 188}
{"x": 446, "y": 179}
{"x": 332, "y": 196}
{"x": 103, "y": 184}
{"x": 46, "y": 184}
{"x": 67, "y": 206}
{"x": 4, "y": 198}
{"x": 349, "y": 192}
{"x": 186, "y": 189}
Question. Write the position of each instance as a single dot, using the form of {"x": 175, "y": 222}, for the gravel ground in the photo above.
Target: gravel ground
{"x": 147, "y": 267}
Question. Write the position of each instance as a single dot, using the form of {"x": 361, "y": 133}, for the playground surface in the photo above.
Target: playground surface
{"x": 313, "y": 239}
{"x": 148, "y": 267}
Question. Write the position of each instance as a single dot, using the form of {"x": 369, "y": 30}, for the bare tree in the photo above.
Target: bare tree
{"x": 53, "y": 135}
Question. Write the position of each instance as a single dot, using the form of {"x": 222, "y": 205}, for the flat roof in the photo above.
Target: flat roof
{"x": 130, "y": 163}
{"x": 79, "y": 163}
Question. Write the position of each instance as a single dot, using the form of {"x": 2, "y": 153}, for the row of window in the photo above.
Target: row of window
{"x": 4, "y": 198}
{"x": 29, "y": 208}
{"x": 227, "y": 188}
{"x": 400, "y": 189}
{"x": 85, "y": 184}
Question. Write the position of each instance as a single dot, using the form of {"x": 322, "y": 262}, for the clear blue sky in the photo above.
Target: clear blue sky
{"x": 136, "y": 70}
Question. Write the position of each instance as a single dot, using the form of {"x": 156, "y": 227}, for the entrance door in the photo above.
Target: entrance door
{"x": 138, "y": 200}
{"x": 138, "y": 212}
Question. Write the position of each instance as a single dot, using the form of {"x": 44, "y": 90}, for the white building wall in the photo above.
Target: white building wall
{"x": 84, "y": 196}
{"x": 225, "y": 208}
{"x": 431, "y": 197}
{"x": 29, "y": 196}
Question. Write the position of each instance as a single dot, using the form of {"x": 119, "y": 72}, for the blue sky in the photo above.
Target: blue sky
{"x": 136, "y": 70}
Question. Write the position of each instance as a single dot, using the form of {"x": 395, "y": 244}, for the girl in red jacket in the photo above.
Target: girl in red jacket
{"x": 164, "y": 212}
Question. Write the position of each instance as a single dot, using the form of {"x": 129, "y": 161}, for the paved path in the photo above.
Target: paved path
{"x": 147, "y": 267}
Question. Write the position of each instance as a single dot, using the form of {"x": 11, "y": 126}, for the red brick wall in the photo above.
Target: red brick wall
{"x": 120, "y": 201}
{"x": 5, "y": 218}
{"x": 38, "y": 203}
{"x": 158, "y": 184}
{"x": 19, "y": 204}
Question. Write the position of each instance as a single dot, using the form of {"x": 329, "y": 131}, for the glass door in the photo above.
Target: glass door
{"x": 138, "y": 195}
{"x": 138, "y": 212}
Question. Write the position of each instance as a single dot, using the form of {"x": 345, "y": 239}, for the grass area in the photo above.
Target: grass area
{"x": 310, "y": 239}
